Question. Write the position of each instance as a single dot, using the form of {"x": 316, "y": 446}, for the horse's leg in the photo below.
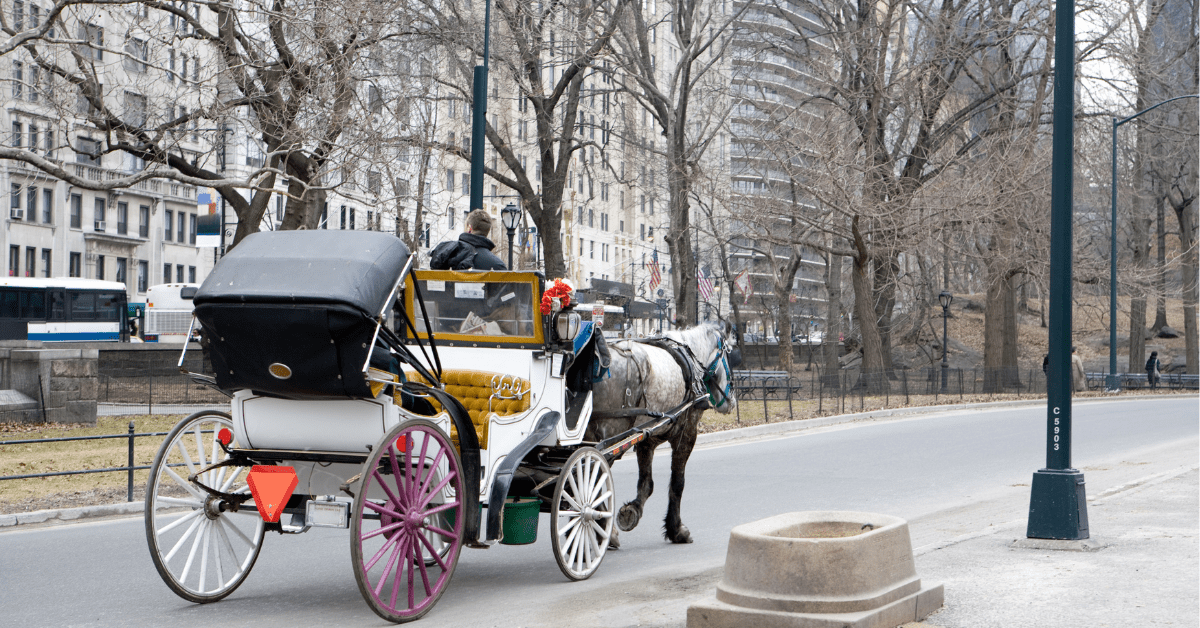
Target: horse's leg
{"x": 681, "y": 448}
{"x": 631, "y": 512}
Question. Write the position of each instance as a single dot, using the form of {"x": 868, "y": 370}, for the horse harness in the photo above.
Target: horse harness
{"x": 694, "y": 376}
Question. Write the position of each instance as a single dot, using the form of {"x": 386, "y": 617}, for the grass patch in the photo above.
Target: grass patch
{"x": 30, "y": 494}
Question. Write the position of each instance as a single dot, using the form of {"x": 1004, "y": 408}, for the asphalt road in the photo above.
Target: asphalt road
{"x": 944, "y": 472}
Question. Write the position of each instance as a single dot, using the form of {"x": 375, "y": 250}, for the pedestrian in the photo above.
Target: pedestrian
{"x": 472, "y": 250}
{"x": 1078, "y": 377}
{"x": 1046, "y": 365}
{"x": 1152, "y": 374}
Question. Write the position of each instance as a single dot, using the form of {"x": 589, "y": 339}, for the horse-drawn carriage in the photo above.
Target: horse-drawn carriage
{"x": 414, "y": 409}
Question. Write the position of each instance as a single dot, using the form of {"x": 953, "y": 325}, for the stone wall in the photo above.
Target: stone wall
{"x": 61, "y": 382}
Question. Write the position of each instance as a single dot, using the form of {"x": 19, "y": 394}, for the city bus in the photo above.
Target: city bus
{"x": 62, "y": 310}
{"x": 169, "y": 312}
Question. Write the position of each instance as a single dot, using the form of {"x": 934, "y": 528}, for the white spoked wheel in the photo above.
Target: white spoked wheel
{"x": 202, "y": 551}
{"x": 581, "y": 515}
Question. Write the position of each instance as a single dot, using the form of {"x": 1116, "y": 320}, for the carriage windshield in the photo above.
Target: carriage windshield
{"x": 498, "y": 307}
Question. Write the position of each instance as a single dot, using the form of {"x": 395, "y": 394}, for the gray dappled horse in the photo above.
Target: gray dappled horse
{"x": 644, "y": 376}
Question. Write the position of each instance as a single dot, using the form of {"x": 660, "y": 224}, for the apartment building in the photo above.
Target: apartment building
{"x": 141, "y": 235}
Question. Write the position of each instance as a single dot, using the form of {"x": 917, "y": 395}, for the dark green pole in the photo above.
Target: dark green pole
{"x": 1057, "y": 503}
{"x": 479, "y": 113}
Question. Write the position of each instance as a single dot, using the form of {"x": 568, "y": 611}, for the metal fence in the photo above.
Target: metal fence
{"x": 849, "y": 390}
{"x": 154, "y": 394}
{"x": 129, "y": 468}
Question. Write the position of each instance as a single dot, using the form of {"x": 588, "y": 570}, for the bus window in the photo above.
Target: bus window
{"x": 9, "y": 307}
{"x": 83, "y": 306}
{"x": 57, "y": 306}
{"x": 108, "y": 307}
{"x": 33, "y": 305}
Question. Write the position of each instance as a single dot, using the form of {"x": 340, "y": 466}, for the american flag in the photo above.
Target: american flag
{"x": 655, "y": 272}
{"x": 704, "y": 284}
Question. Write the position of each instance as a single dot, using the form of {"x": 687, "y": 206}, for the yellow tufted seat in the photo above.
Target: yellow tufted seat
{"x": 475, "y": 390}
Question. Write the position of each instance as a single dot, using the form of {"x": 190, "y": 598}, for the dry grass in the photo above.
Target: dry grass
{"x": 75, "y": 490}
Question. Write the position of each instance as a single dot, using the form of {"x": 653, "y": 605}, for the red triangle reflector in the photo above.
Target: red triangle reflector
{"x": 271, "y": 487}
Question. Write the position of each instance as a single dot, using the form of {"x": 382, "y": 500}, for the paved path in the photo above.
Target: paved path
{"x": 960, "y": 478}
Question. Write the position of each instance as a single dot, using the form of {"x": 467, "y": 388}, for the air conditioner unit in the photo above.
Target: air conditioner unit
{"x": 16, "y": 214}
{"x": 101, "y": 225}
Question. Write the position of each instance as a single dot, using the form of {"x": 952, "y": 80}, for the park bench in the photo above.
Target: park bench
{"x": 769, "y": 383}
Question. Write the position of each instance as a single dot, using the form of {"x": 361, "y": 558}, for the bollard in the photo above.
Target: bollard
{"x": 129, "y": 493}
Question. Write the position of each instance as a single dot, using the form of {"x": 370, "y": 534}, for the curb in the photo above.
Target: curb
{"x": 64, "y": 515}
{"x": 785, "y": 427}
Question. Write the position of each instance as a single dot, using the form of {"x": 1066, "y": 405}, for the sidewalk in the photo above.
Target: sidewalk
{"x": 1147, "y": 572}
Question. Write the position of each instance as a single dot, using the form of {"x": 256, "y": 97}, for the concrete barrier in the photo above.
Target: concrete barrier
{"x": 826, "y": 569}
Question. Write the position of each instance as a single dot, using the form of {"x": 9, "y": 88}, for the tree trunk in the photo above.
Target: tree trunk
{"x": 679, "y": 243}
{"x": 833, "y": 316}
{"x": 1140, "y": 243}
{"x": 872, "y": 345}
{"x": 886, "y": 271}
{"x": 1185, "y": 214}
{"x": 1160, "y": 275}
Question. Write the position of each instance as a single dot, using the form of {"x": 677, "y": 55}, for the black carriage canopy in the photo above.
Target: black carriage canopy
{"x": 292, "y": 313}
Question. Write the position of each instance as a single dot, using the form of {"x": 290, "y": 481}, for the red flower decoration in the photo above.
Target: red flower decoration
{"x": 559, "y": 290}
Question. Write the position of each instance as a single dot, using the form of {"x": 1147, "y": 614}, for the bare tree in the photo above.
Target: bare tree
{"x": 681, "y": 85}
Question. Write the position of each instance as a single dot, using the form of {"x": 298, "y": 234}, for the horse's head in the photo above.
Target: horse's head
{"x": 720, "y": 358}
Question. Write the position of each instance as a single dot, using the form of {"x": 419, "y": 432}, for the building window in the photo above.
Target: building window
{"x": 466, "y": 184}
{"x": 642, "y": 231}
{"x": 192, "y": 230}
{"x": 95, "y": 36}
{"x": 137, "y": 53}
{"x": 144, "y": 217}
{"x": 143, "y": 276}
{"x": 181, "y": 230}
{"x": 17, "y": 131}
{"x": 76, "y": 269}
{"x": 48, "y": 206}
{"x": 18, "y": 82}
{"x": 168, "y": 230}
{"x": 449, "y": 179}
{"x": 122, "y": 267}
{"x": 592, "y": 249}
{"x": 352, "y": 214}
{"x": 46, "y": 256}
{"x": 122, "y": 219}
{"x": 87, "y": 151}
{"x": 100, "y": 206}
{"x": 179, "y": 273}
{"x": 591, "y": 218}
{"x": 343, "y": 223}
{"x": 100, "y": 267}
{"x": 191, "y": 274}
{"x": 30, "y": 261}
{"x": 278, "y": 208}
{"x": 166, "y": 273}
{"x": 14, "y": 261}
{"x": 15, "y": 212}
{"x": 31, "y": 200}
{"x": 76, "y": 213}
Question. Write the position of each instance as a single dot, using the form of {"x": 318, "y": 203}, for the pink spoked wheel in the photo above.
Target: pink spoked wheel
{"x": 405, "y": 532}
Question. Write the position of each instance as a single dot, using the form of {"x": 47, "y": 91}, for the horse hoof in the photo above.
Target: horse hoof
{"x": 628, "y": 517}
{"x": 682, "y": 535}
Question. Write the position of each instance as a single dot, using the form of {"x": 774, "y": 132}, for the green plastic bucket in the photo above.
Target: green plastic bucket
{"x": 521, "y": 520}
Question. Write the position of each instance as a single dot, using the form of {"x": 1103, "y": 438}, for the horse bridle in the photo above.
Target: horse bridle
{"x": 710, "y": 373}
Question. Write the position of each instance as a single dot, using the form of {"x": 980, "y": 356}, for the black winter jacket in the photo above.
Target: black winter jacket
{"x": 470, "y": 252}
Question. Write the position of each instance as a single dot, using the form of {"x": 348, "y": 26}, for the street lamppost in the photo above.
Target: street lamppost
{"x": 1112, "y": 383}
{"x": 509, "y": 216}
{"x": 945, "y": 298}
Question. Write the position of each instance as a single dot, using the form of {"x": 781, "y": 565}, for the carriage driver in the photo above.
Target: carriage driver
{"x": 472, "y": 251}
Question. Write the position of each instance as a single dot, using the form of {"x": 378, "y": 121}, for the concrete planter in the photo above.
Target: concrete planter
{"x": 818, "y": 570}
